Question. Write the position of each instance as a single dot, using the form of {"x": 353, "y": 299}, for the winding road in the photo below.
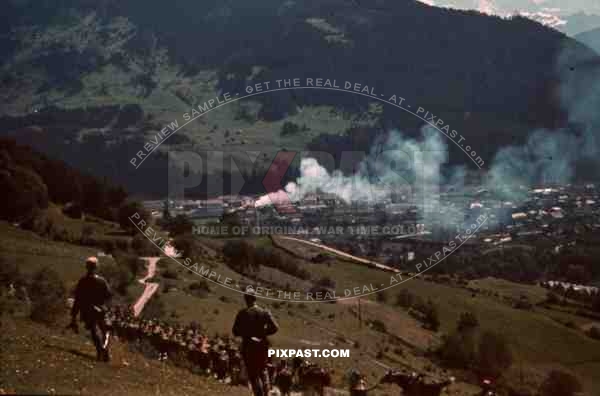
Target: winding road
{"x": 149, "y": 287}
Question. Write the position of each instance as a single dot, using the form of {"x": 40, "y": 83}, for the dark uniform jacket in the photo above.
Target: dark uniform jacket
{"x": 91, "y": 293}
{"x": 254, "y": 324}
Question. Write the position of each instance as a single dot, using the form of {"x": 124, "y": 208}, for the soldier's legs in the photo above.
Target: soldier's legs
{"x": 256, "y": 376}
{"x": 257, "y": 385}
{"x": 99, "y": 335}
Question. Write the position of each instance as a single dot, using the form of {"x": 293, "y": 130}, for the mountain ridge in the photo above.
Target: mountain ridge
{"x": 164, "y": 59}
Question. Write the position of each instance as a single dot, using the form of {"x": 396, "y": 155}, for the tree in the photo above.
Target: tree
{"x": 381, "y": 297}
{"x": 594, "y": 332}
{"x": 154, "y": 309}
{"x": 199, "y": 289}
{"x": 596, "y": 302}
{"x": 459, "y": 349}
{"x": 405, "y": 299}
{"x": 119, "y": 277}
{"x": 494, "y": 355}
{"x": 559, "y": 383}
{"x": 552, "y": 298}
{"x": 131, "y": 214}
{"x": 231, "y": 220}
{"x": 326, "y": 282}
{"x": 179, "y": 225}
{"x": 186, "y": 245}
{"x": 430, "y": 311}
{"x": 142, "y": 246}
{"x": 166, "y": 213}
{"x": 289, "y": 128}
{"x": 134, "y": 264}
{"x": 578, "y": 274}
{"x": 48, "y": 296}
{"x": 467, "y": 322}
{"x": 241, "y": 256}
{"x": 23, "y": 191}
{"x": 10, "y": 273}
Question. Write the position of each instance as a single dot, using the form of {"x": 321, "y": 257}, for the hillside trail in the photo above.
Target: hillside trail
{"x": 149, "y": 287}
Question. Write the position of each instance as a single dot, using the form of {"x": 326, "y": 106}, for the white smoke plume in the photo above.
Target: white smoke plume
{"x": 550, "y": 156}
{"x": 398, "y": 165}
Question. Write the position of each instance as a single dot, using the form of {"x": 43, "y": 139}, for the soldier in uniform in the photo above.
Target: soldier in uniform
{"x": 254, "y": 324}
{"x": 91, "y": 295}
{"x": 283, "y": 378}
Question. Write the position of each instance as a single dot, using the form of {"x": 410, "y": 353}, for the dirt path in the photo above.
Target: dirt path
{"x": 149, "y": 287}
{"x": 343, "y": 254}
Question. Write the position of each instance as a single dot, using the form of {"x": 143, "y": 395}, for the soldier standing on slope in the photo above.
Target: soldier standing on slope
{"x": 91, "y": 294}
{"x": 254, "y": 324}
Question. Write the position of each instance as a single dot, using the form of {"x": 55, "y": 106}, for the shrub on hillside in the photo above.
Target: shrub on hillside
{"x": 134, "y": 264}
{"x": 431, "y": 319}
{"x": 170, "y": 274}
{"x": 186, "y": 245}
{"x": 169, "y": 285}
{"x": 239, "y": 255}
{"x": 552, "y": 298}
{"x": 378, "y": 325}
{"x": 493, "y": 355}
{"x": 154, "y": 309}
{"x": 596, "y": 302}
{"x": 381, "y": 297}
{"x": 523, "y": 303}
{"x": 73, "y": 210}
{"x": 10, "y": 273}
{"x": 131, "y": 214}
{"x": 459, "y": 350}
{"x": 87, "y": 235}
{"x": 594, "y": 332}
{"x": 559, "y": 383}
{"x": 23, "y": 191}
{"x": 48, "y": 296}
{"x": 291, "y": 128}
{"x": 199, "y": 289}
{"x": 119, "y": 277}
{"x": 405, "y": 299}
{"x": 143, "y": 247}
{"x": 178, "y": 225}
{"x": 467, "y": 321}
{"x": 326, "y": 282}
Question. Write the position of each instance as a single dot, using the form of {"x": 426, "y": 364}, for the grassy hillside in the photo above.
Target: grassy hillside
{"x": 41, "y": 360}
{"x": 539, "y": 339}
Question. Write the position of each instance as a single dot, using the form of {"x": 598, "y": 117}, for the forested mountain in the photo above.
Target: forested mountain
{"x": 29, "y": 181}
{"x": 485, "y": 74}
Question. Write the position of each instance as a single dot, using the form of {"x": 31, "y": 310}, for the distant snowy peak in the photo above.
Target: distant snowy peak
{"x": 488, "y": 7}
{"x": 548, "y": 17}
{"x": 571, "y": 18}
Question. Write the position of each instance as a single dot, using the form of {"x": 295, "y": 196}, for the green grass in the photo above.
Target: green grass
{"x": 32, "y": 252}
{"x": 41, "y": 360}
{"x": 534, "y": 293}
{"x": 538, "y": 340}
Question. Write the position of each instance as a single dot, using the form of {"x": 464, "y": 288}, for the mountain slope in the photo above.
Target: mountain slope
{"x": 450, "y": 58}
{"x": 42, "y": 360}
{"x": 91, "y": 82}
{"x": 591, "y": 38}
